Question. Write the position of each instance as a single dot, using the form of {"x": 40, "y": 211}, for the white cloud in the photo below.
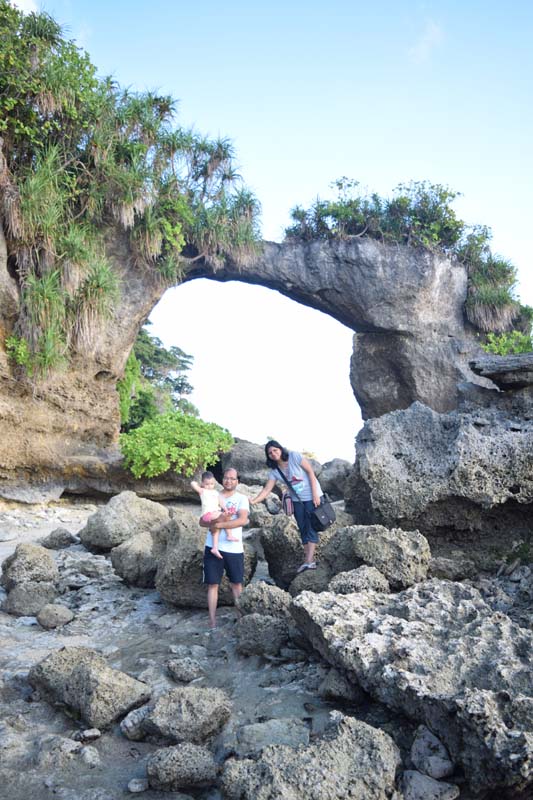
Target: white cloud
{"x": 26, "y": 6}
{"x": 428, "y": 40}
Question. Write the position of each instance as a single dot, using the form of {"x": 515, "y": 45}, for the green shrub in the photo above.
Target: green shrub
{"x": 174, "y": 441}
{"x": 508, "y": 343}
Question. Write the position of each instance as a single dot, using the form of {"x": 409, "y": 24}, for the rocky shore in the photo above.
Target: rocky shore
{"x": 385, "y": 673}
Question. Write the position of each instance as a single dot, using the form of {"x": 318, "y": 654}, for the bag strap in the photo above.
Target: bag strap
{"x": 294, "y": 498}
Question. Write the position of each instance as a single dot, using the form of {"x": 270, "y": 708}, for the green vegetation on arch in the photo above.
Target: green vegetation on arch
{"x": 80, "y": 156}
{"x": 420, "y": 214}
{"x": 173, "y": 441}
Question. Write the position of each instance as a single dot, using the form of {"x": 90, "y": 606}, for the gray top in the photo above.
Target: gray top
{"x": 297, "y": 477}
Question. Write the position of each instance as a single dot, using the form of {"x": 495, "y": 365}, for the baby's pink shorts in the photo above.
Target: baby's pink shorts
{"x": 210, "y": 516}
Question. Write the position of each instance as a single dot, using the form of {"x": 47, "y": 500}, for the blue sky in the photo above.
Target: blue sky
{"x": 385, "y": 93}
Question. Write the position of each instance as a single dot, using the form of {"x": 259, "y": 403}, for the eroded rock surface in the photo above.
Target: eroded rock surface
{"x": 470, "y": 472}
{"x": 82, "y": 680}
{"x": 352, "y": 761}
{"x": 124, "y": 516}
{"x": 438, "y": 653}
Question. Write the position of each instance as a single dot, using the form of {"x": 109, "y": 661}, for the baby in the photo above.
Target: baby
{"x": 213, "y": 509}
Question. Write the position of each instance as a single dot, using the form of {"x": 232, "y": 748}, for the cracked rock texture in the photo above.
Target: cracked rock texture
{"x": 82, "y": 680}
{"x": 466, "y": 471}
{"x": 438, "y": 653}
{"x": 355, "y": 761}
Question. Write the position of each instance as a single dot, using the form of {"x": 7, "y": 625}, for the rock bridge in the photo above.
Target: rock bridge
{"x": 404, "y": 305}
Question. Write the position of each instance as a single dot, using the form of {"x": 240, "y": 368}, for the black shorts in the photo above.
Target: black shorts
{"x": 214, "y": 567}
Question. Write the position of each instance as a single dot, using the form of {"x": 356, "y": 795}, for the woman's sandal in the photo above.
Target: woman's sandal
{"x": 303, "y": 567}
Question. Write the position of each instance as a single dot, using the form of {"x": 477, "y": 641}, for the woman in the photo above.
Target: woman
{"x": 294, "y": 469}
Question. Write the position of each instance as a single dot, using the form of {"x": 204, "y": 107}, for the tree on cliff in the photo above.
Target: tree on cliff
{"x": 81, "y": 158}
{"x": 155, "y": 382}
{"x": 421, "y": 214}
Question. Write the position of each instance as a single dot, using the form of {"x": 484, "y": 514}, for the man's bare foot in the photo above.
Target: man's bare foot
{"x": 232, "y": 538}
{"x": 216, "y": 552}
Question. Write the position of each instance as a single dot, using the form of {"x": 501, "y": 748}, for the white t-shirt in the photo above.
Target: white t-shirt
{"x": 233, "y": 504}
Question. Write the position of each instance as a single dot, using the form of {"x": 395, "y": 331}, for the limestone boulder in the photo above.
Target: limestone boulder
{"x": 334, "y": 476}
{"x": 417, "y": 786}
{"x": 361, "y": 579}
{"x": 180, "y": 569}
{"x": 336, "y": 686}
{"x": 54, "y": 615}
{"x": 249, "y": 461}
{"x": 465, "y": 471}
{"x": 439, "y": 654}
{"x": 352, "y": 760}
{"x": 188, "y": 714}
{"x": 81, "y": 679}
{"x": 124, "y": 516}
{"x": 184, "y": 670}
{"x": 183, "y": 766}
{"x": 262, "y": 635}
{"x": 253, "y": 738}
{"x": 136, "y": 560}
{"x": 59, "y": 539}
{"x": 29, "y": 563}
{"x": 27, "y": 599}
{"x": 262, "y": 598}
{"x": 401, "y": 556}
{"x": 429, "y": 755}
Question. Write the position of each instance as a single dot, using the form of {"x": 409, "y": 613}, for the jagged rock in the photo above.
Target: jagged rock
{"x": 401, "y": 556}
{"x": 416, "y": 786}
{"x": 289, "y": 731}
{"x": 462, "y": 471}
{"x": 27, "y": 599}
{"x": 29, "y": 562}
{"x": 184, "y": 670}
{"x": 429, "y": 755}
{"x": 336, "y": 686}
{"x": 334, "y": 476}
{"x": 188, "y": 714}
{"x": 132, "y": 724}
{"x": 179, "y": 573}
{"x": 260, "y": 634}
{"x": 136, "y": 559}
{"x": 507, "y": 372}
{"x": 182, "y": 766}
{"x": 124, "y": 516}
{"x": 438, "y": 653}
{"x": 81, "y": 679}
{"x": 54, "y": 615}
{"x": 249, "y": 461}
{"x": 353, "y": 761}
{"x": 263, "y": 514}
{"x": 261, "y": 598}
{"x": 361, "y": 579}
{"x": 282, "y": 546}
{"x": 90, "y": 756}
{"x": 451, "y": 569}
{"x": 55, "y": 752}
{"x": 59, "y": 539}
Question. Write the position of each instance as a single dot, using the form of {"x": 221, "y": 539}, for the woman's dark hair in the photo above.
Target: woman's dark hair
{"x": 284, "y": 453}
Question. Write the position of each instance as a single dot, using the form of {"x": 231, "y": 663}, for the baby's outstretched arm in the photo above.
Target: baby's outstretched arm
{"x": 196, "y": 486}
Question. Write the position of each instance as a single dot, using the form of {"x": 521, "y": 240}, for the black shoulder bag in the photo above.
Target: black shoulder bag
{"x": 322, "y": 516}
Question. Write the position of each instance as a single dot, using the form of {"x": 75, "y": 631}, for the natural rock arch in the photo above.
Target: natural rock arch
{"x": 405, "y": 306}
